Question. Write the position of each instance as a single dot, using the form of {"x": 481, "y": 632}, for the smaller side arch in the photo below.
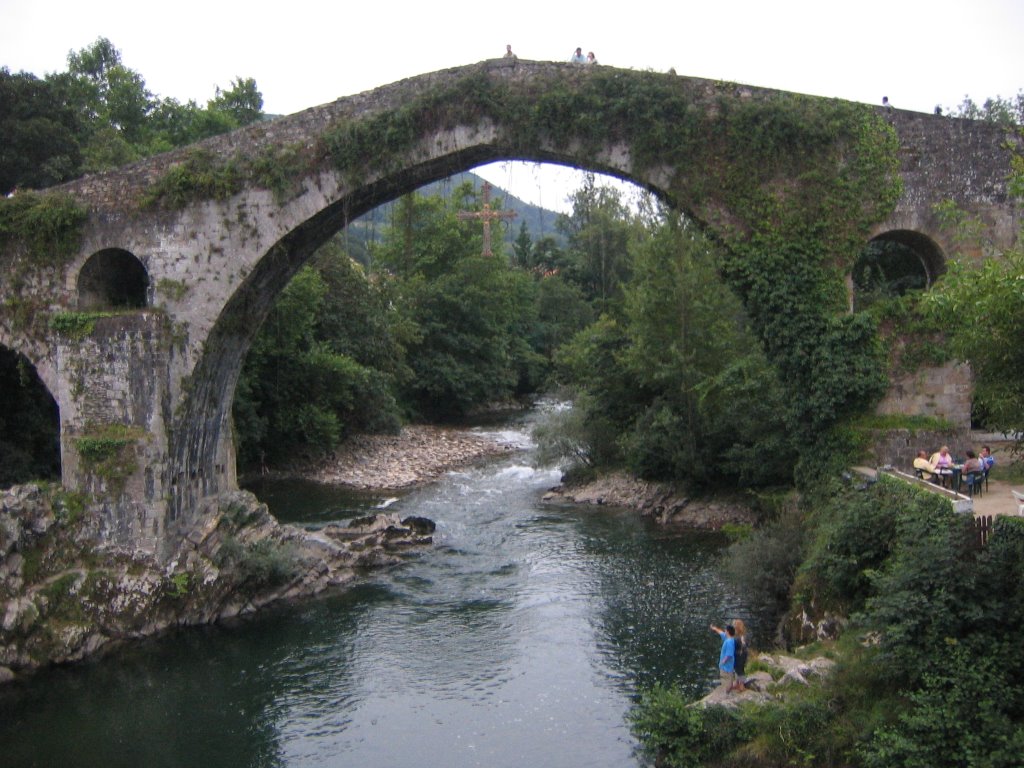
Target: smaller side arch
{"x": 893, "y": 263}
{"x": 929, "y": 254}
{"x": 29, "y": 423}
{"x": 113, "y": 279}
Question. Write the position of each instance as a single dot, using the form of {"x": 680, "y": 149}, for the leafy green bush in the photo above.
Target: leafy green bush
{"x": 765, "y": 563}
{"x": 265, "y": 563}
{"x": 49, "y": 224}
{"x": 677, "y": 734}
{"x": 965, "y": 712}
{"x": 854, "y": 538}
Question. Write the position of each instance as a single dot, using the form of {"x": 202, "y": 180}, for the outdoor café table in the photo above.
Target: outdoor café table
{"x": 953, "y": 472}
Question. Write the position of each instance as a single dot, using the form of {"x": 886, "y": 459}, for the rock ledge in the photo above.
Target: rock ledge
{"x": 62, "y": 599}
{"x": 666, "y": 503}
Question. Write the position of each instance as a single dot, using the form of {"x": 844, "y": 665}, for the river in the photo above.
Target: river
{"x": 520, "y": 638}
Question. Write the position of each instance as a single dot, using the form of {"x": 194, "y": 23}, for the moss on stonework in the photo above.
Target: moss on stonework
{"x": 204, "y": 176}
{"x": 49, "y": 225}
{"x": 108, "y": 452}
{"x": 200, "y": 176}
{"x": 76, "y": 325}
{"x": 175, "y": 290}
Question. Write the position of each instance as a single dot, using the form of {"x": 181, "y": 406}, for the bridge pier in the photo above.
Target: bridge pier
{"x": 113, "y": 377}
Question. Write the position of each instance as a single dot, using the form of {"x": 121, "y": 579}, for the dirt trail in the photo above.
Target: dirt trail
{"x": 997, "y": 500}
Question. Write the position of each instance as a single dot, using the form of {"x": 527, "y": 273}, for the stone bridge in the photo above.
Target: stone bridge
{"x": 197, "y": 243}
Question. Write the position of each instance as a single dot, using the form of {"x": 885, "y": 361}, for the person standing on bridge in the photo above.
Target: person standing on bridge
{"x": 508, "y": 52}
{"x": 578, "y": 57}
{"x": 591, "y": 58}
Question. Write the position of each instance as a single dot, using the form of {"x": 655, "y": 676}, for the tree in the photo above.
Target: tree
{"x": 599, "y": 232}
{"x": 679, "y": 389}
{"x": 715, "y": 395}
{"x": 111, "y": 94}
{"x": 986, "y": 301}
{"x": 39, "y": 129}
{"x": 99, "y": 115}
{"x": 300, "y": 390}
{"x": 472, "y": 312}
{"x": 176, "y": 125}
{"x": 522, "y": 248}
{"x": 242, "y": 102}
{"x": 562, "y": 311}
{"x": 994, "y": 110}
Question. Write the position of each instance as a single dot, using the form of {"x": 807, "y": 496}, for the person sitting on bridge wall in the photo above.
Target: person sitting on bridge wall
{"x": 925, "y": 467}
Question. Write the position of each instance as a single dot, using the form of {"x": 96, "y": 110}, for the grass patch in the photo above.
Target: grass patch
{"x": 76, "y": 325}
{"x": 108, "y": 452}
{"x": 891, "y": 421}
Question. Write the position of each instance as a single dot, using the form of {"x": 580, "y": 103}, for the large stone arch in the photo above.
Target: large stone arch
{"x": 216, "y": 374}
{"x": 223, "y": 225}
{"x": 758, "y": 170}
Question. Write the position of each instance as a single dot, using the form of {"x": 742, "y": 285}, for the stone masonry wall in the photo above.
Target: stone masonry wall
{"x": 114, "y": 380}
{"x": 899, "y": 447}
{"x": 943, "y": 391}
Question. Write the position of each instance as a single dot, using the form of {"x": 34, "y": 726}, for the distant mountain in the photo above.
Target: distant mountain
{"x": 540, "y": 222}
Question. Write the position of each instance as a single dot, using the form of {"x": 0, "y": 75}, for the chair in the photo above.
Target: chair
{"x": 1020, "y": 501}
{"x": 974, "y": 481}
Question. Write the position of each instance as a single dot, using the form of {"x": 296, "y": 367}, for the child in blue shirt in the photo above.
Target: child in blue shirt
{"x": 727, "y": 656}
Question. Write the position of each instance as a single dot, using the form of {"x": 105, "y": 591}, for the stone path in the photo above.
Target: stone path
{"x": 997, "y": 500}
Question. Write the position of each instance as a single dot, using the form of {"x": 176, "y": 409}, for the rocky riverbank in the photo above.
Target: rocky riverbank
{"x": 420, "y": 454}
{"x": 668, "y": 504}
{"x": 417, "y": 455}
{"x": 63, "y": 599}
{"x": 776, "y": 674}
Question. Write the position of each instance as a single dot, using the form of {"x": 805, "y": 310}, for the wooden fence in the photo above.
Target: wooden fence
{"x": 983, "y": 528}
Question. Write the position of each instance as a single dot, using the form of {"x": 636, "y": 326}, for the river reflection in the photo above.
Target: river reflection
{"x": 520, "y": 638}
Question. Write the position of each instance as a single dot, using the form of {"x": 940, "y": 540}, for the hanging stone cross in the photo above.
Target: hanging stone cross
{"x": 487, "y": 216}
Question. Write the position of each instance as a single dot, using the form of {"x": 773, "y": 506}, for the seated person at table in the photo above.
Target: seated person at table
{"x": 926, "y": 468}
{"x": 942, "y": 459}
{"x": 987, "y": 459}
{"x": 973, "y": 464}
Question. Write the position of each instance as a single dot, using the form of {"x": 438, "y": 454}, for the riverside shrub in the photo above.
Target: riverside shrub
{"x": 679, "y": 735}
{"x": 927, "y": 669}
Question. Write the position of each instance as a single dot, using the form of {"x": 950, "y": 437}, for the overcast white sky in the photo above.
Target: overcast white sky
{"x": 921, "y": 53}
